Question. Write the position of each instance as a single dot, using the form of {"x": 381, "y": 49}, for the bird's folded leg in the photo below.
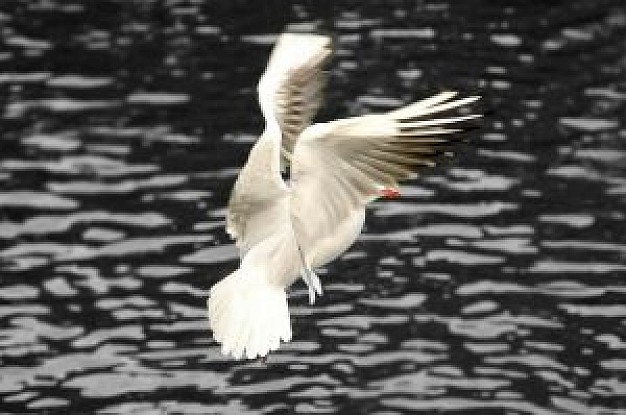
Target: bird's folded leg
{"x": 313, "y": 282}
{"x": 310, "y": 277}
{"x": 389, "y": 193}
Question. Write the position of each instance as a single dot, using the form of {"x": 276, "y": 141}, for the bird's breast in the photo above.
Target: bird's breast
{"x": 279, "y": 258}
{"x": 329, "y": 246}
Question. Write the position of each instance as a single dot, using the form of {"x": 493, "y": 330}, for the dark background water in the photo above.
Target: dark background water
{"x": 495, "y": 285}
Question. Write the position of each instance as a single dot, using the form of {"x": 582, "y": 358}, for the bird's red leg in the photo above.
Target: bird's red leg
{"x": 389, "y": 193}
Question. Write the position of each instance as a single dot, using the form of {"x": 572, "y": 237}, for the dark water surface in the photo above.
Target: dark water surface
{"x": 495, "y": 285}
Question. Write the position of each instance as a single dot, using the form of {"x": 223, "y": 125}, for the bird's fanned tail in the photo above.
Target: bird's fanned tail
{"x": 248, "y": 314}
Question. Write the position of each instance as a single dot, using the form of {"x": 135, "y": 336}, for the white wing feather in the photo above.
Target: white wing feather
{"x": 292, "y": 83}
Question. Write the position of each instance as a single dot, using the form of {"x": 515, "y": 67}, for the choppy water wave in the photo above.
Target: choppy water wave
{"x": 495, "y": 285}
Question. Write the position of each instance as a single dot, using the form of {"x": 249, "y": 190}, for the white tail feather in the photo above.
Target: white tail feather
{"x": 248, "y": 315}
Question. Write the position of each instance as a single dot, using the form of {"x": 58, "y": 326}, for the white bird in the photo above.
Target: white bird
{"x": 286, "y": 230}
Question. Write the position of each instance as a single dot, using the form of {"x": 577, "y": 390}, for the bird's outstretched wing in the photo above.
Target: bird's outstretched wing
{"x": 289, "y": 95}
{"x": 340, "y": 166}
{"x": 293, "y": 82}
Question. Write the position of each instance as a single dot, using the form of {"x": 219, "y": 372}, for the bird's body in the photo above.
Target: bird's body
{"x": 286, "y": 230}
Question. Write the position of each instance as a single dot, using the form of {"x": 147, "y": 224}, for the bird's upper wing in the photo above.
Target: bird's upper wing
{"x": 340, "y": 166}
{"x": 293, "y": 83}
{"x": 289, "y": 95}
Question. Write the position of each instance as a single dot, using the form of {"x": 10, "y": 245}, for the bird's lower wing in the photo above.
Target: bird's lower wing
{"x": 258, "y": 199}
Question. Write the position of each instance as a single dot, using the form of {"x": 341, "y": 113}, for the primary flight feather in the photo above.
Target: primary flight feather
{"x": 285, "y": 230}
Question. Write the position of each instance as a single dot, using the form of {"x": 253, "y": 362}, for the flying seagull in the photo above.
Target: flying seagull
{"x": 284, "y": 230}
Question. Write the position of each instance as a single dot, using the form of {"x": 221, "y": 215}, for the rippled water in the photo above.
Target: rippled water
{"x": 495, "y": 285}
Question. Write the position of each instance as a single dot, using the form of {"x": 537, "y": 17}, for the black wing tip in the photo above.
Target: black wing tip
{"x": 488, "y": 112}
{"x": 466, "y": 128}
